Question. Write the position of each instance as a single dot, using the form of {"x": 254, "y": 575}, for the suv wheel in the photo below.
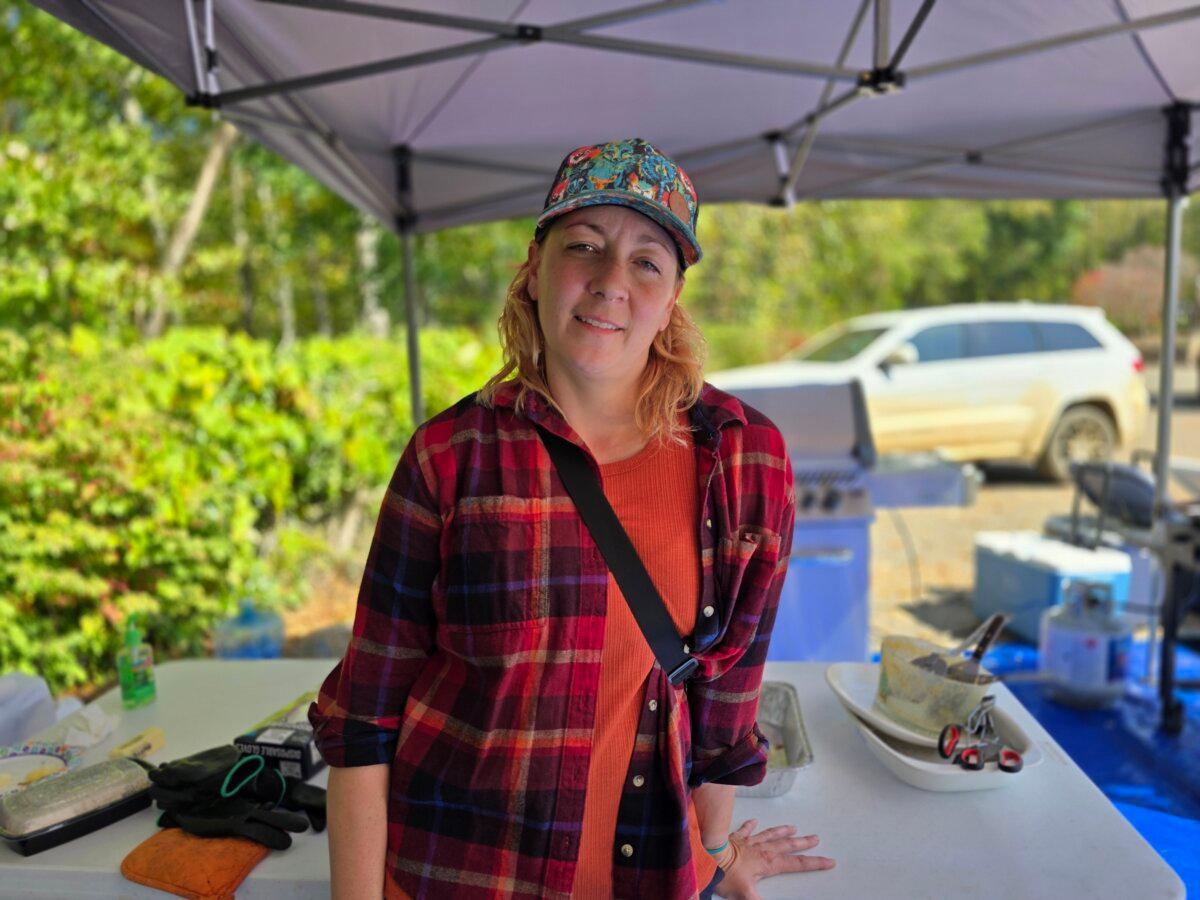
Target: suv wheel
{"x": 1083, "y": 434}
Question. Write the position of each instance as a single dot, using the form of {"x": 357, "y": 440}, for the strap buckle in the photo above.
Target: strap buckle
{"x": 684, "y": 671}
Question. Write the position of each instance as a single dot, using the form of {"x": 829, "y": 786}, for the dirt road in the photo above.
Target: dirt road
{"x": 944, "y": 538}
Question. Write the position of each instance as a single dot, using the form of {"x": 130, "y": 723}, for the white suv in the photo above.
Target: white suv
{"x": 1029, "y": 382}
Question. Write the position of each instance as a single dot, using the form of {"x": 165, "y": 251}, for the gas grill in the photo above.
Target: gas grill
{"x": 824, "y": 610}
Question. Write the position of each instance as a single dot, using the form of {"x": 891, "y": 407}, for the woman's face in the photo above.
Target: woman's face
{"x": 605, "y": 279}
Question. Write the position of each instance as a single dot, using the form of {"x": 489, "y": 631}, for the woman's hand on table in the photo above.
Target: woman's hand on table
{"x": 751, "y": 857}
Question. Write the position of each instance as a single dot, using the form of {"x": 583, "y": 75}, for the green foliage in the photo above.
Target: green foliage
{"x": 1029, "y": 251}
{"x": 93, "y": 156}
{"x": 150, "y": 478}
{"x": 802, "y": 270}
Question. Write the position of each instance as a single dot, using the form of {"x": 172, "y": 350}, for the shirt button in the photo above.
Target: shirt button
{"x": 653, "y": 705}
{"x": 627, "y": 850}
{"x": 708, "y": 522}
{"x": 638, "y": 780}
{"x": 708, "y": 612}
{"x": 687, "y": 649}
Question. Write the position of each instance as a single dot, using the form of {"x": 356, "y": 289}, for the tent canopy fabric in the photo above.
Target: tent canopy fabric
{"x": 435, "y": 113}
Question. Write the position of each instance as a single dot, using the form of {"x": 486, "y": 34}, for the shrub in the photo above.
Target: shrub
{"x": 151, "y": 478}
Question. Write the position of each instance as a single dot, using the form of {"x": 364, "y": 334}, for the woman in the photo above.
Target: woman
{"x": 499, "y": 726}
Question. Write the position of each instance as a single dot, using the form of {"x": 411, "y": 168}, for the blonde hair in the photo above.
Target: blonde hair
{"x": 671, "y": 381}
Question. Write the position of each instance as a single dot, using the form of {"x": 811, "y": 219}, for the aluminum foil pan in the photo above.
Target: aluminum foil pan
{"x": 779, "y": 719}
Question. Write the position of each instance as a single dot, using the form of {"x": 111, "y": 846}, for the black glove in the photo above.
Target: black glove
{"x": 188, "y": 790}
{"x": 235, "y": 817}
{"x": 198, "y": 774}
{"x": 307, "y": 799}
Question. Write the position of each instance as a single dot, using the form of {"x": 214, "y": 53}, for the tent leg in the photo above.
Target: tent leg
{"x": 406, "y": 225}
{"x": 411, "y": 328}
{"x": 1171, "y": 710}
{"x": 1166, "y": 375}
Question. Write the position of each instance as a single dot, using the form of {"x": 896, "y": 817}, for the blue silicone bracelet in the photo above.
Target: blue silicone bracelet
{"x": 714, "y": 851}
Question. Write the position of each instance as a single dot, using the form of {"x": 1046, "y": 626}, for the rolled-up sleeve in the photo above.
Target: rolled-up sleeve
{"x": 356, "y": 717}
{"x": 727, "y": 745}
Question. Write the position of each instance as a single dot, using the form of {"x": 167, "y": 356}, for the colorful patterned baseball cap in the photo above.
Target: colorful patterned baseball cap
{"x": 628, "y": 173}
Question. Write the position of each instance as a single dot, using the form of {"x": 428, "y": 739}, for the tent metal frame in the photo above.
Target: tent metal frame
{"x": 885, "y": 77}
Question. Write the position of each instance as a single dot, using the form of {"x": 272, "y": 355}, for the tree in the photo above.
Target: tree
{"x": 94, "y": 156}
{"x": 185, "y": 230}
{"x": 1033, "y": 249}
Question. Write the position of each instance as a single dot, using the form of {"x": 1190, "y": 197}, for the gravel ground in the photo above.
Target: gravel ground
{"x": 930, "y": 599}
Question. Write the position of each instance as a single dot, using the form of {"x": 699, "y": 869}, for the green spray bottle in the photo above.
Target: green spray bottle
{"x": 135, "y": 667}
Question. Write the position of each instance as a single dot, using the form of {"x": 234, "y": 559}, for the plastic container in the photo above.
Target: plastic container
{"x": 253, "y": 634}
{"x": 1022, "y": 573}
{"x": 135, "y": 668}
{"x": 71, "y": 805}
{"x": 1085, "y": 648}
{"x": 920, "y": 698}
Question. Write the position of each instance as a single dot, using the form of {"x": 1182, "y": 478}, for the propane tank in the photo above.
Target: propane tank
{"x": 1084, "y": 647}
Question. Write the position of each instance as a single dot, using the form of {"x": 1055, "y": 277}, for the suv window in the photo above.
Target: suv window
{"x": 1001, "y": 338}
{"x": 941, "y": 342}
{"x": 1066, "y": 336}
{"x": 840, "y": 348}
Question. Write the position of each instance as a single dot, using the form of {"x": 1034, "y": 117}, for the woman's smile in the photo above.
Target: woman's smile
{"x": 595, "y": 323}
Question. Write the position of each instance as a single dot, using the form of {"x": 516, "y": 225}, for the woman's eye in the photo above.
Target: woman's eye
{"x": 649, "y": 265}
{"x": 581, "y": 247}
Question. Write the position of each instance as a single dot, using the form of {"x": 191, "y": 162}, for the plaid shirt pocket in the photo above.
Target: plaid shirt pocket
{"x": 490, "y": 579}
{"x": 752, "y": 553}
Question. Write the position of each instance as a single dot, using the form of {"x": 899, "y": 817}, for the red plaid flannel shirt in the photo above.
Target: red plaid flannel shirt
{"x": 474, "y": 662}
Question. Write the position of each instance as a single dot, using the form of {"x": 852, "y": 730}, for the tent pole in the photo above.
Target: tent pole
{"x": 1062, "y": 40}
{"x": 791, "y": 171}
{"x": 194, "y": 43}
{"x": 213, "y": 86}
{"x": 1166, "y": 375}
{"x": 1171, "y": 719}
{"x": 410, "y": 313}
{"x": 406, "y": 223}
{"x": 1174, "y": 185}
{"x": 576, "y": 33}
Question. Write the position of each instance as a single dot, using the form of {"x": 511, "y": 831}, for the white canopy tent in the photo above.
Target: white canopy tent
{"x": 435, "y": 113}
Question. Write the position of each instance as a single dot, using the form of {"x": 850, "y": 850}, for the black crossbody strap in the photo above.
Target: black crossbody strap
{"x": 623, "y": 561}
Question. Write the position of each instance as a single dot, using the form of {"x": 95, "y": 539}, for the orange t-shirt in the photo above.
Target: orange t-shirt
{"x": 654, "y": 494}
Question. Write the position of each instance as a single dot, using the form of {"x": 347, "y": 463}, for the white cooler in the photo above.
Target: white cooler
{"x": 1022, "y": 573}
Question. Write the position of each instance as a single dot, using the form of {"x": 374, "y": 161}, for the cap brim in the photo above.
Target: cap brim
{"x": 684, "y": 239}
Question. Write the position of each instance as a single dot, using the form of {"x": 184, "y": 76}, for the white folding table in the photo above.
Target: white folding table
{"x": 1051, "y": 833}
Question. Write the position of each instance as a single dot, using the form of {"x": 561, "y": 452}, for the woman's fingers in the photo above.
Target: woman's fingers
{"x": 781, "y": 840}
{"x": 788, "y": 863}
{"x": 774, "y": 834}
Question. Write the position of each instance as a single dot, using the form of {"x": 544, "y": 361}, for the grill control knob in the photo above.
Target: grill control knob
{"x": 808, "y": 500}
{"x": 832, "y": 500}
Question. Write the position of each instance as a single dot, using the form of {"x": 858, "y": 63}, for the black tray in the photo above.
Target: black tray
{"x": 36, "y": 842}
